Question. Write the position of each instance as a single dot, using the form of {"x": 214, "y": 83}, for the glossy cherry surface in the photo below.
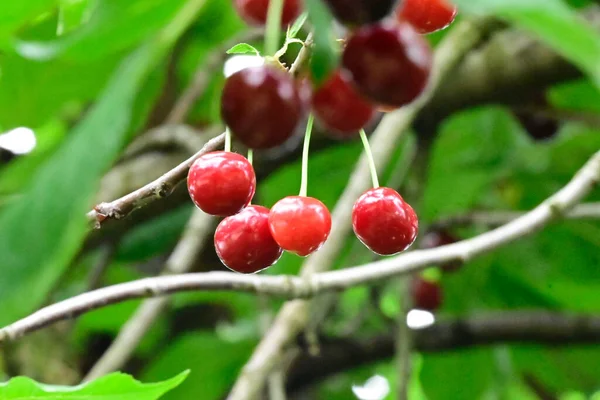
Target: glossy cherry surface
{"x": 426, "y": 295}
{"x": 254, "y": 12}
{"x": 390, "y": 63}
{"x": 384, "y": 222}
{"x": 221, "y": 183}
{"x": 360, "y": 12}
{"x": 300, "y": 224}
{"x": 244, "y": 242}
{"x": 339, "y": 107}
{"x": 427, "y": 16}
{"x": 439, "y": 238}
{"x": 262, "y": 106}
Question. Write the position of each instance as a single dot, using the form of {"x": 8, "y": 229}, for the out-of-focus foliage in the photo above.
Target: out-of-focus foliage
{"x": 88, "y": 76}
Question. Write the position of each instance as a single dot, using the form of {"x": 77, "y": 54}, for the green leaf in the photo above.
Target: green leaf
{"x": 14, "y": 14}
{"x": 113, "y": 386}
{"x": 45, "y": 235}
{"x": 324, "y": 57}
{"x": 214, "y": 364}
{"x": 553, "y": 22}
{"x": 298, "y": 24}
{"x": 579, "y": 95}
{"x": 243, "y": 48}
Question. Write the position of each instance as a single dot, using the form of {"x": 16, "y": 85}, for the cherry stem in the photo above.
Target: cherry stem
{"x": 305, "y": 151}
{"x": 227, "y": 146}
{"x": 273, "y": 26}
{"x": 365, "y": 141}
{"x": 250, "y": 156}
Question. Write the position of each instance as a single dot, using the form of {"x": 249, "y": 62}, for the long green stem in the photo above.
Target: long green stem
{"x": 273, "y": 27}
{"x": 227, "y": 146}
{"x": 305, "y": 151}
{"x": 250, "y": 156}
{"x": 365, "y": 141}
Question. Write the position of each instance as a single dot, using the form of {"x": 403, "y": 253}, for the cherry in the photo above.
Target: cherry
{"x": 360, "y": 12}
{"x": 426, "y": 295}
{"x": 384, "y": 222}
{"x": 300, "y": 224}
{"x": 389, "y": 62}
{"x": 439, "y": 238}
{"x": 244, "y": 242}
{"x": 262, "y": 106}
{"x": 254, "y": 12}
{"x": 221, "y": 183}
{"x": 427, "y": 16}
{"x": 339, "y": 108}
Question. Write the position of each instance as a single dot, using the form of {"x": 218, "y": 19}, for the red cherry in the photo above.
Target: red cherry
{"x": 339, "y": 107}
{"x": 390, "y": 63}
{"x": 426, "y": 295}
{"x": 427, "y": 16}
{"x": 262, "y": 106}
{"x": 300, "y": 224}
{"x": 360, "y": 12}
{"x": 384, "y": 222}
{"x": 244, "y": 242}
{"x": 221, "y": 183}
{"x": 254, "y": 12}
{"x": 441, "y": 238}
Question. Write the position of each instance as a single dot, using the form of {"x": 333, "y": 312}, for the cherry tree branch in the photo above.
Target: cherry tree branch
{"x": 554, "y": 208}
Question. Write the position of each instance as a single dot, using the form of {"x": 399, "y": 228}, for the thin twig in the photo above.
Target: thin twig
{"x": 160, "y": 188}
{"x": 550, "y": 210}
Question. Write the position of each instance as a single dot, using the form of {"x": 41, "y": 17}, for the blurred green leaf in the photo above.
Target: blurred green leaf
{"x": 579, "y": 95}
{"x": 554, "y": 22}
{"x": 324, "y": 57}
{"x": 113, "y": 386}
{"x": 71, "y": 14}
{"x": 14, "y": 14}
{"x": 295, "y": 28}
{"x": 45, "y": 235}
{"x": 243, "y": 48}
{"x": 214, "y": 364}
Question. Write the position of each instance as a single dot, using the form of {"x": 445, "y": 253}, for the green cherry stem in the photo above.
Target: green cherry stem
{"x": 273, "y": 26}
{"x": 365, "y": 141}
{"x": 227, "y": 146}
{"x": 305, "y": 151}
{"x": 250, "y": 156}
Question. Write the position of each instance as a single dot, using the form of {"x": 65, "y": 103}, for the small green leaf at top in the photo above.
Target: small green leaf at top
{"x": 243, "y": 48}
{"x": 116, "y": 385}
{"x": 298, "y": 24}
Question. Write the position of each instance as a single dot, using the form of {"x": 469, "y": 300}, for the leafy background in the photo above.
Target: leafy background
{"x": 89, "y": 76}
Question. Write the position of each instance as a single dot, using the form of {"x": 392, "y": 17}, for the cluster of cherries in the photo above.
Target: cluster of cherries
{"x": 385, "y": 65}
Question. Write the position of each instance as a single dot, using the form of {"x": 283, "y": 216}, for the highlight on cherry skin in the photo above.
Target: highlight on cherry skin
{"x": 254, "y": 12}
{"x": 299, "y": 224}
{"x": 221, "y": 183}
{"x": 244, "y": 242}
{"x": 427, "y": 16}
{"x": 262, "y": 106}
{"x": 384, "y": 222}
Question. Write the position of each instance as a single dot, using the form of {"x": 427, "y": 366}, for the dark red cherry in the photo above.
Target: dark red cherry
{"x": 426, "y": 295}
{"x": 427, "y": 16}
{"x": 360, "y": 12}
{"x": 339, "y": 107}
{"x": 221, "y": 183}
{"x": 244, "y": 242}
{"x": 390, "y": 63}
{"x": 262, "y": 106}
{"x": 300, "y": 224}
{"x": 439, "y": 238}
{"x": 384, "y": 222}
{"x": 254, "y": 12}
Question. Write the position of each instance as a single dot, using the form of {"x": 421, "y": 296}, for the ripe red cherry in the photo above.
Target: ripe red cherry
{"x": 244, "y": 242}
{"x": 339, "y": 107}
{"x": 221, "y": 183}
{"x": 384, "y": 222}
{"x": 262, "y": 106}
{"x": 300, "y": 224}
{"x": 390, "y": 63}
{"x": 360, "y": 12}
{"x": 439, "y": 238}
{"x": 426, "y": 295}
{"x": 427, "y": 16}
{"x": 254, "y": 12}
